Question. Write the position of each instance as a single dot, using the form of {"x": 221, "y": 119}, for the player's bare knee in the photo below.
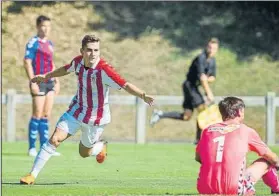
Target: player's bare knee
{"x": 83, "y": 151}
{"x": 187, "y": 117}
{"x": 83, "y": 154}
{"x": 55, "y": 140}
{"x": 37, "y": 115}
{"x": 46, "y": 116}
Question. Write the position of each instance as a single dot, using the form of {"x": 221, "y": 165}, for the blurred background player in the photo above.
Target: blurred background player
{"x": 222, "y": 153}
{"x": 201, "y": 72}
{"x": 89, "y": 109}
{"x": 38, "y": 59}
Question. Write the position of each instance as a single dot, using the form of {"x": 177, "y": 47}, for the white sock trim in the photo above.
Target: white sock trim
{"x": 97, "y": 148}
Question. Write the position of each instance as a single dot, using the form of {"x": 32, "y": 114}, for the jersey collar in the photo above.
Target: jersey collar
{"x": 94, "y": 65}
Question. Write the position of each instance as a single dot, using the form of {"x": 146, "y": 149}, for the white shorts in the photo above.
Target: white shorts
{"x": 89, "y": 135}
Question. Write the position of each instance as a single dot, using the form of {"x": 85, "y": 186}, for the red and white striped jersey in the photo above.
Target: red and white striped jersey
{"x": 90, "y": 104}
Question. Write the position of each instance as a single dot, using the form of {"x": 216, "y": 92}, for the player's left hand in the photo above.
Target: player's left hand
{"x": 148, "y": 99}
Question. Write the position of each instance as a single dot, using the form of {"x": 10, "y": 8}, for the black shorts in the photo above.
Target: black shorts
{"x": 45, "y": 87}
{"x": 192, "y": 96}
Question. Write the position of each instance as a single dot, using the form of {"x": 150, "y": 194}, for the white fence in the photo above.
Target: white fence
{"x": 11, "y": 99}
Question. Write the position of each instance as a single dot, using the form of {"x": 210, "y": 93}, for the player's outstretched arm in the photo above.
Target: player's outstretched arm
{"x": 57, "y": 83}
{"x": 133, "y": 90}
{"x": 61, "y": 71}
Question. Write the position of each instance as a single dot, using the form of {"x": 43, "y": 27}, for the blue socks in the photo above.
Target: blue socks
{"x": 43, "y": 130}
{"x": 33, "y": 130}
{"x": 36, "y": 125}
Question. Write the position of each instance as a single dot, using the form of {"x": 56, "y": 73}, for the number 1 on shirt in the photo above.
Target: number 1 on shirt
{"x": 220, "y": 148}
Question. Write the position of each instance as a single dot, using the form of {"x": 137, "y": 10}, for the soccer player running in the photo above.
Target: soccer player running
{"x": 201, "y": 72}
{"x": 222, "y": 153}
{"x": 38, "y": 59}
{"x": 89, "y": 110}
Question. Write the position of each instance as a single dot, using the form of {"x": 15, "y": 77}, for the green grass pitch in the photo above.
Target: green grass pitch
{"x": 151, "y": 169}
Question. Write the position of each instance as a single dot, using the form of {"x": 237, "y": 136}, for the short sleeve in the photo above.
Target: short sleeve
{"x": 213, "y": 69}
{"x": 30, "y": 49}
{"x": 73, "y": 65}
{"x": 111, "y": 78}
{"x": 256, "y": 144}
{"x": 70, "y": 67}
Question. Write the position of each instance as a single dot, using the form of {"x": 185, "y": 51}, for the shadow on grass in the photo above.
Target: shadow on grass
{"x": 14, "y": 154}
{"x": 247, "y": 28}
{"x": 41, "y": 184}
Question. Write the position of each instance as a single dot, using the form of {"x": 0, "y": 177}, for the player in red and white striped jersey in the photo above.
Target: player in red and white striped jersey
{"x": 89, "y": 110}
{"x": 90, "y": 104}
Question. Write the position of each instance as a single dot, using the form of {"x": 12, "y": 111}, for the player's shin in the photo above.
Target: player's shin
{"x": 43, "y": 130}
{"x": 173, "y": 115}
{"x": 33, "y": 130}
{"x": 43, "y": 156}
{"x": 270, "y": 178}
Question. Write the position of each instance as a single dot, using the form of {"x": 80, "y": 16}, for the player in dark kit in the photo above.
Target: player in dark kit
{"x": 201, "y": 73}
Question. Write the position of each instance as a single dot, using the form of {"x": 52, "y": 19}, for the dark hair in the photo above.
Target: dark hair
{"x": 41, "y": 19}
{"x": 229, "y": 107}
{"x": 214, "y": 40}
{"x": 88, "y": 39}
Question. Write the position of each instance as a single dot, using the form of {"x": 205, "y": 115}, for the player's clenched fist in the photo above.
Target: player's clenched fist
{"x": 38, "y": 79}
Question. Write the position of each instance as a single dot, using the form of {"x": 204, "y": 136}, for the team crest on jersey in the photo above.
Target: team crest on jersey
{"x": 226, "y": 129}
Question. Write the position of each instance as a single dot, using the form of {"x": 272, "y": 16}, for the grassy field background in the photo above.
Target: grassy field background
{"x": 153, "y": 169}
{"x": 152, "y": 45}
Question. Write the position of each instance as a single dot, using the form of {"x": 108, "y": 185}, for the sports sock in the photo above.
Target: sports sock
{"x": 43, "y": 156}
{"x": 97, "y": 148}
{"x": 32, "y": 132}
{"x": 173, "y": 115}
{"x": 271, "y": 179}
{"x": 43, "y": 130}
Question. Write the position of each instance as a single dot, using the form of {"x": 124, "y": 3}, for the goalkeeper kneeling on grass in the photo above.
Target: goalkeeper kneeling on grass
{"x": 201, "y": 72}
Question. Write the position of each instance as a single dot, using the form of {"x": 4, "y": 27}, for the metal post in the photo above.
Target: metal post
{"x": 270, "y": 118}
{"x": 140, "y": 121}
{"x": 11, "y": 115}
